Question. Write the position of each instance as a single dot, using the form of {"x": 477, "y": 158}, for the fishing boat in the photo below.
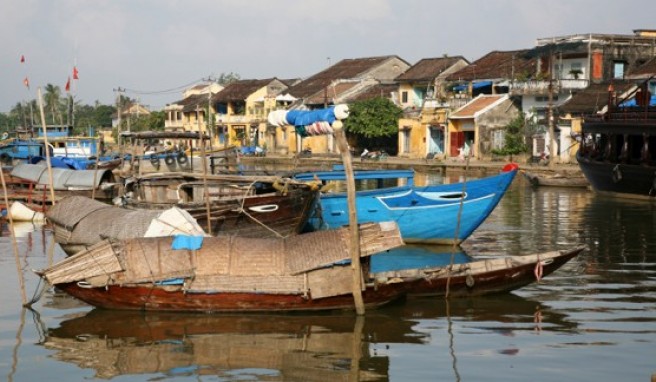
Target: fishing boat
{"x": 556, "y": 179}
{"x": 617, "y": 152}
{"x": 256, "y": 207}
{"x": 99, "y": 183}
{"x": 227, "y": 273}
{"x": 430, "y": 274}
{"x": 437, "y": 214}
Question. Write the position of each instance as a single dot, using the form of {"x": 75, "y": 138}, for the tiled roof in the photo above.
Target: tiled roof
{"x": 378, "y": 90}
{"x": 645, "y": 70}
{"x": 329, "y": 93}
{"x": 240, "y": 90}
{"x": 189, "y": 104}
{"x": 344, "y": 69}
{"x": 593, "y": 98}
{"x": 477, "y": 104}
{"x": 428, "y": 69}
{"x": 497, "y": 64}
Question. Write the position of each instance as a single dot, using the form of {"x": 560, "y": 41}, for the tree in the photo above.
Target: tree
{"x": 373, "y": 124}
{"x": 514, "y": 137}
{"x": 52, "y": 100}
{"x": 226, "y": 78}
{"x": 373, "y": 118}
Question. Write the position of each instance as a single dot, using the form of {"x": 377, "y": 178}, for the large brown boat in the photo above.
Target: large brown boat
{"x": 618, "y": 148}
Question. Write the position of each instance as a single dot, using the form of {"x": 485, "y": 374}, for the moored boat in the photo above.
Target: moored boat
{"x": 436, "y": 214}
{"x": 226, "y": 273}
{"x": 556, "y": 179}
{"x": 617, "y": 153}
{"x": 473, "y": 278}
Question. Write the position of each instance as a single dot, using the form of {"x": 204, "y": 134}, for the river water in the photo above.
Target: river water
{"x": 592, "y": 320}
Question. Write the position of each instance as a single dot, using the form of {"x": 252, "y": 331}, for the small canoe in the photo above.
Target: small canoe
{"x": 556, "y": 180}
{"x": 478, "y": 277}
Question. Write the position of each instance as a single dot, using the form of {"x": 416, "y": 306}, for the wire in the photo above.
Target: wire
{"x": 166, "y": 91}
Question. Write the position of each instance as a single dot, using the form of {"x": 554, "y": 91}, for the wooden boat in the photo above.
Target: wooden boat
{"x": 30, "y": 180}
{"x": 617, "y": 153}
{"x": 477, "y": 277}
{"x": 556, "y": 180}
{"x": 227, "y": 273}
{"x": 248, "y": 206}
{"x": 437, "y": 214}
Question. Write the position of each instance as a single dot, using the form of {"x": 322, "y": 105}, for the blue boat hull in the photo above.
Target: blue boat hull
{"x": 434, "y": 214}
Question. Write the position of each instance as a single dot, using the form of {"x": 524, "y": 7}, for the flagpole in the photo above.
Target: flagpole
{"x": 46, "y": 148}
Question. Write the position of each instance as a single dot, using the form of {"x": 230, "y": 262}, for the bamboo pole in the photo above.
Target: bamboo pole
{"x": 13, "y": 239}
{"x": 45, "y": 143}
{"x": 203, "y": 160}
{"x": 95, "y": 172}
{"x": 353, "y": 218}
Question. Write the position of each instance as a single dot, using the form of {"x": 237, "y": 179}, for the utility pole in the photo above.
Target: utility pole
{"x": 552, "y": 139}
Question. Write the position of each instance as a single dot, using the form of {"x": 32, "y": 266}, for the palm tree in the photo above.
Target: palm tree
{"x": 53, "y": 100}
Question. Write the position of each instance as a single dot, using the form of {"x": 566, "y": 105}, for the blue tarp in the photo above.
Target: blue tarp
{"x": 187, "y": 242}
{"x": 632, "y": 102}
{"x": 477, "y": 85}
{"x": 305, "y": 117}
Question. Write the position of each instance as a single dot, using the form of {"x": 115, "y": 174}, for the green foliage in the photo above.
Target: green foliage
{"x": 226, "y": 78}
{"x": 514, "y": 137}
{"x": 375, "y": 117}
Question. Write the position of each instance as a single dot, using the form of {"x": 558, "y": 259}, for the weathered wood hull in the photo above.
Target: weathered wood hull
{"x": 160, "y": 298}
{"x": 551, "y": 180}
{"x": 467, "y": 280}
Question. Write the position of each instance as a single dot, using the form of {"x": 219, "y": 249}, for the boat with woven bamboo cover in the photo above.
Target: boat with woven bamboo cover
{"x": 227, "y": 273}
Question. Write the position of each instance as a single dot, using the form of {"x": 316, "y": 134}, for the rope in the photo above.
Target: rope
{"x": 38, "y": 293}
{"x": 242, "y": 210}
{"x": 457, "y": 232}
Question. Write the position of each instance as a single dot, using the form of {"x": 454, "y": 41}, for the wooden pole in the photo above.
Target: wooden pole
{"x": 353, "y": 219}
{"x": 47, "y": 148}
{"x": 203, "y": 159}
{"x": 13, "y": 238}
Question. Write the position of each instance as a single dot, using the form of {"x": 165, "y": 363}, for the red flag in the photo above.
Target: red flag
{"x": 26, "y": 82}
{"x": 68, "y": 84}
{"x": 75, "y": 77}
{"x": 22, "y": 58}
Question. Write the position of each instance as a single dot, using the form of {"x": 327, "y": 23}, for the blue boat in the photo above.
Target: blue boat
{"x": 437, "y": 214}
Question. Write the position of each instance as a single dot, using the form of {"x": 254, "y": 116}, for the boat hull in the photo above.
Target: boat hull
{"x": 499, "y": 280}
{"x": 160, "y": 298}
{"x": 431, "y": 214}
{"x": 636, "y": 181}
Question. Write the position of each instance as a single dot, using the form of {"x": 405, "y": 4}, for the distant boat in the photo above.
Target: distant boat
{"x": 618, "y": 147}
{"x": 556, "y": 180}
{"x": 437, "y": 214}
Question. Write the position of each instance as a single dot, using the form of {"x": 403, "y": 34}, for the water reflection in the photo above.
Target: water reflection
{"x": 310, "y": 348}
{"x": 336, "y": 346}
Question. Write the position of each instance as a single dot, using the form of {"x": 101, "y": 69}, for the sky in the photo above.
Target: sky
{"x": 154, "y": 48}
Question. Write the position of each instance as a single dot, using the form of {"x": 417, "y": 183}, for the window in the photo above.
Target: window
{"x": 618, "y": 69}
{"x": 404, "y": 97}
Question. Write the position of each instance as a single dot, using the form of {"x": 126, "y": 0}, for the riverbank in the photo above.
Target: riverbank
{"x": 326, "y": 162}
